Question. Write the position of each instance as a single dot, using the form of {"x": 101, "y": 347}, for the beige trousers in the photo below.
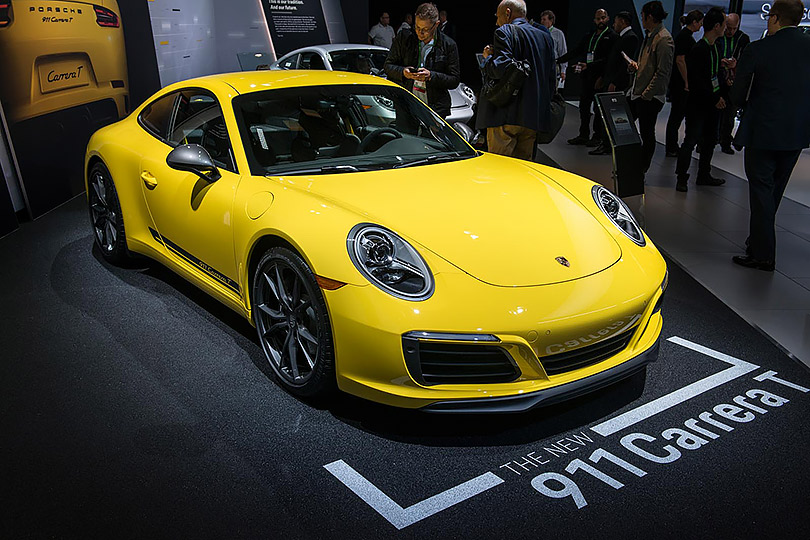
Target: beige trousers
{"x": 509, "y": 140}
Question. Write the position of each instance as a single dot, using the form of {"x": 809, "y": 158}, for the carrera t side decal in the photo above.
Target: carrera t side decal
{"x": 211, "y": 271}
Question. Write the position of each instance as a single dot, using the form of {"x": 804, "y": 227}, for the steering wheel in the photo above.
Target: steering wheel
{"x": 377, "y": 134}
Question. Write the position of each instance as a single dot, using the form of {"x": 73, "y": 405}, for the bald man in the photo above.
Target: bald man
{"x": 729, "y": 48}
{"x": 591, "y": 55}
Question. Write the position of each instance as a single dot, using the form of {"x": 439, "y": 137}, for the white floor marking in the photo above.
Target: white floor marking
{"x": 402, "y": 517}
{"x": 738, "y": 369}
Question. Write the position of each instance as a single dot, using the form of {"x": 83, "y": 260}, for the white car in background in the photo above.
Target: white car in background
{"x": 367, "y": 59}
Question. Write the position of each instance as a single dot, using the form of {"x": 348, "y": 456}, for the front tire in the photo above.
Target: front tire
{"x": 293, "y": 324}
{"x": 105, "y": 215}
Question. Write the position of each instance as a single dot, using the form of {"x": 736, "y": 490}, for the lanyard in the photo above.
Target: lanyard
{"x": 592, "y": 46}
{"x": 725, "y": 47}
{"x": 715, "y": 63}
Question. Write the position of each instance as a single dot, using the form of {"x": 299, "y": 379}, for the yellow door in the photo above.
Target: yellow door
{"x": 192, "y": 214}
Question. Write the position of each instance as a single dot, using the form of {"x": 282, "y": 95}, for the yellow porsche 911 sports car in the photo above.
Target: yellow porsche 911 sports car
{"x": 373, "y": 249}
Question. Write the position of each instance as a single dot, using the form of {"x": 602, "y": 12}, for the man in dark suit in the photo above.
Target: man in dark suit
{"x": 594, "y": 49}
{"x": 512, "y": 130}
{"x": 446, "y": 27}
{"x": 425, "y": 61}
{"x": 771, "y": 86}
{"x": 617, "y": 78}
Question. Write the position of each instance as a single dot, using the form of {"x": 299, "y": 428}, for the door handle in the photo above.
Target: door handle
{"x": 148, "y": 179}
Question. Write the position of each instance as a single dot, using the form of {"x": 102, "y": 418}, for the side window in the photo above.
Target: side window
{"x": 198, "y": 120}
{"x": 311, "y": 60}
{"x": 156, "y": 116}
{"x": 291, "y": 62}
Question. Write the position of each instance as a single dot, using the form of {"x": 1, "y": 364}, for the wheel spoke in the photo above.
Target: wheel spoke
{"x": 274, "y": 328}
{"x": 307, "y": 335}
{"x": 109, "y": 234}
{"x": 272, "y": 313}
{"x": 306, "y": 353}
{"x": 100, "y": 190}
{"x": 303, "y": 306}
{"x": 272, "y": 286}
{"x": 296, "y": 292}
{"x": 292, "y": 354}
{"x": 113, "y": 229}
{"x": 282, "y": 292}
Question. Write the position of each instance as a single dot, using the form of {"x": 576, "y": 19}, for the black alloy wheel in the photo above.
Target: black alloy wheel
{"x": 293, "y": 323}
{"x": 105, "y": 215}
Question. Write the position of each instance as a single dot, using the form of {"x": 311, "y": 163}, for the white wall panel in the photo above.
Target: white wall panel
{"x": 185, "y": 38}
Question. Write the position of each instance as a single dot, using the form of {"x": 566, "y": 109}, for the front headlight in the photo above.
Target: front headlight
{"x": 385, "y": 102}
{"x": 468, "y": 92}
{"x": 619, "y": 214}
{"x": 389, "y": 262}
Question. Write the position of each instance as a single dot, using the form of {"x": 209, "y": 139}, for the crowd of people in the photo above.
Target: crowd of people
{"x": 708, "y": 82}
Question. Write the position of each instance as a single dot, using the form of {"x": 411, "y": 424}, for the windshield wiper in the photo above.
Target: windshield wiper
{"x": 326, "y": 169}
{"x": 435, "y": 158}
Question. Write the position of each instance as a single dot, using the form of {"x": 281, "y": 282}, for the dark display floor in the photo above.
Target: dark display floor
{"x": 133, "y": 406}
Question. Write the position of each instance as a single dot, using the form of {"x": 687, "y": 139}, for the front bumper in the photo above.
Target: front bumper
{"x": 549, "y": 396}
{"x": 531, "y": 324}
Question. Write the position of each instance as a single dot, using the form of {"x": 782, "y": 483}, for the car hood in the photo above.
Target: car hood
{"x": 492, "y": 217}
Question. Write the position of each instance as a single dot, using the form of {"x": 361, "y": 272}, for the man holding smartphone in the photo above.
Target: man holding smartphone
{"x": 425, "y": 61}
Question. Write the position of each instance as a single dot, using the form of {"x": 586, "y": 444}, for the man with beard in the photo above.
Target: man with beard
{"x": 616, "y": 77}
{"x": 594, "y": 49}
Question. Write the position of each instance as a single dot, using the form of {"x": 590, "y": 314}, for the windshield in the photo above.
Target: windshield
{"x": 342, "y": 128}
{"x": 368, "y": 62}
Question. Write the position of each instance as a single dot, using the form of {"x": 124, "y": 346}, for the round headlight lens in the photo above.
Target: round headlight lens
{"x": 619, "y": 214}
{"x": 468, "y": 92}
{"x": 385, "y": 102}
{"x": 389, "y": 262}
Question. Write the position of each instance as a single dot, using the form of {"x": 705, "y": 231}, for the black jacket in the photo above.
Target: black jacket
{"x": 616, "y": 68}
{"x": 442, "y": 62}
{"x": 602, "y": 47}
{"x": 775, "y": 115}
{"x": 521, "y": 40}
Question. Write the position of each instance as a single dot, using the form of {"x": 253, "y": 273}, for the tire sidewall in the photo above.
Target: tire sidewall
{"x": 119, "y": 253}
{"x": 322, "y": 380}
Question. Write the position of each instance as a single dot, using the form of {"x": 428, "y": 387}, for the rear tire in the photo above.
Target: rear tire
{"x": 105, "y": 215}
{"x": 293, "y": 324}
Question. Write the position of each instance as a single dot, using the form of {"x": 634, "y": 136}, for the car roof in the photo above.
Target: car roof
{"x": 331, "y": 47}
{"x": 245, "y": 82}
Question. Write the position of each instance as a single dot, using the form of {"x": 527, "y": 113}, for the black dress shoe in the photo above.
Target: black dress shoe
{"x": 600, "y": 150}
{"x": 710, "y": 181}
{"x": 672, "y": 153}
{"x": 727, "y": 150}
{"x": 593, "y": 142}
{"x": 750, "y": 262}
{"x": 682, "y": 186}
{"x": 578, "y": 140}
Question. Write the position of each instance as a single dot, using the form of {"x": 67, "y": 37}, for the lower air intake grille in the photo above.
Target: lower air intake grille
{"x": 450, "y": 363}
{"x": 586, "y": 356}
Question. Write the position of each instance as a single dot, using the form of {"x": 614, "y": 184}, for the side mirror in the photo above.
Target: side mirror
{"x": 193, "y": 158}
{"x": 465, "y": 131}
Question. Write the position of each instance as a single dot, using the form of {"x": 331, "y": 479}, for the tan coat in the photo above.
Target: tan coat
{"x": 654, "y": 65}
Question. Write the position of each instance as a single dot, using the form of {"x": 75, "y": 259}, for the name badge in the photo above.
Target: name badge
{"x": 420, "y": 90}
{"x": 715, "y": 84}
{"x": 589, "y": 58}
